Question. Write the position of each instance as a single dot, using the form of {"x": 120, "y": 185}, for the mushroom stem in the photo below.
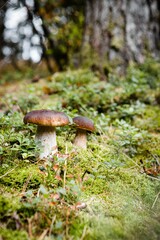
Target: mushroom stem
{"x": 46, "y": 139}
{"x": 81, "y": 138}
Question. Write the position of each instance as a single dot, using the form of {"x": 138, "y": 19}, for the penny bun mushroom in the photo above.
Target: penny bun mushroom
{"x": 83, "y": 125}
{"x": 47, "y": 121}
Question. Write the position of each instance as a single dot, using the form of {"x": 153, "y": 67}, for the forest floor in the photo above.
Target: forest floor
{"x": 109, "y": 191}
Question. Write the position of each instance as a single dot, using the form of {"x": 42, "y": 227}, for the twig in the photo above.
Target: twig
{"x": 158, "y": 179}
{"x": 30, "y": 227}
{"x": 84, "y": 233}
{"x": 130, "y": 159}
{"x": 43, "y": 234}
{"x": 50, "y": 229}
{"x": 26, "y": 183}
{"x": 8, "y": 172}
{"x": 155, "y": 200}
{"x": 4, "y": 5}
{"x": 65, "y": 169}
{"x": 38, "y": 192}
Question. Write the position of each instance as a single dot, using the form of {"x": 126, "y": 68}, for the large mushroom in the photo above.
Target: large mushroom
{"x": 45, "y": 137}
{"x": 83, "y": 125}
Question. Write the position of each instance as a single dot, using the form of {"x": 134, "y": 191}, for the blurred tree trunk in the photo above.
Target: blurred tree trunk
{"x": 3, "y": 9}
{"x": 121, "y": 31}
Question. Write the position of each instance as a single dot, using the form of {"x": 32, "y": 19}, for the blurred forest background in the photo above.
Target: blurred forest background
{"x": 99, "y": 34}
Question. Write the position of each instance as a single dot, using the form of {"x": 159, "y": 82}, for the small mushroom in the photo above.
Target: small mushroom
{"x": 46, "y": 120}
{"x": 83, "y": 125}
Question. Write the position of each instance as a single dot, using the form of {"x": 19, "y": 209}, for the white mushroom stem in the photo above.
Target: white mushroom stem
{"x": 46, "y": 139}
{"x": 81, "y": 139}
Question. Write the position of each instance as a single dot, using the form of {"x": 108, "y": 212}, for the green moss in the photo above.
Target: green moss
{"x": 4, "y": 206}
{"x": 126, "y": 206}
{"x": 23, "y": 174}
{"x": 150, "y": 120}
{"x": 117, "y": 43}
{"x": 7, "y": 234}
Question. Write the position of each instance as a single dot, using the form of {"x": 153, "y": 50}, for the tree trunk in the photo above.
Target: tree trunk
{"x": 2, "y": 27}
{"x": 121, "y": 31}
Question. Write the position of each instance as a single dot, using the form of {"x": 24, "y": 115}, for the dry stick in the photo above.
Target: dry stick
{"x": 154, "y": 178}
{"x": 26, "y": 183}
{"x": 30, "y": 227}
{"x": 155, "y": 200}
{"x": 50, "y": 229}
{"x": 66, "y": 225}
{"x": 43, "y": 234}
{"x": 65, "y": 169}
{"x": 130, "y": 159}
{"x": 4, "y": 5}
{"x": 7, "y": 172}
{"x": 84, "y": 233}
{"x": 38, "y": 192}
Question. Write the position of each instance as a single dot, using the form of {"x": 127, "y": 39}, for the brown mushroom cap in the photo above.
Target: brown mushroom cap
{"x": 46, "y": 118}
{"x": 84, "y": 123}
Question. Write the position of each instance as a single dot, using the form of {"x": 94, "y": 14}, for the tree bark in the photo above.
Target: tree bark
{"x": 3, "y": 9}
{"x": 122, "y": 31}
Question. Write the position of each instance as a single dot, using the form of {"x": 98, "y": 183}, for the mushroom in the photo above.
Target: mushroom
{"x": 46, "y": 120}
{"x": 83, "y": 125}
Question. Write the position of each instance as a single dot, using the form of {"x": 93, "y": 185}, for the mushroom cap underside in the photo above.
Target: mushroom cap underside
{"x": 46, "y": 118}
{"x": 84, "y": 123}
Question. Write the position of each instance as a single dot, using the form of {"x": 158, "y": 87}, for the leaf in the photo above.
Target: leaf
{"x": 61, "y": 191}
{"x": 24, "y": 155}
{"x": 58, "y": 178}
{"x": 56, "y": 167}
{"x": 58, "y": 225}
{"x": 43, "y": 190}
{"x": 29, "y": 193}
